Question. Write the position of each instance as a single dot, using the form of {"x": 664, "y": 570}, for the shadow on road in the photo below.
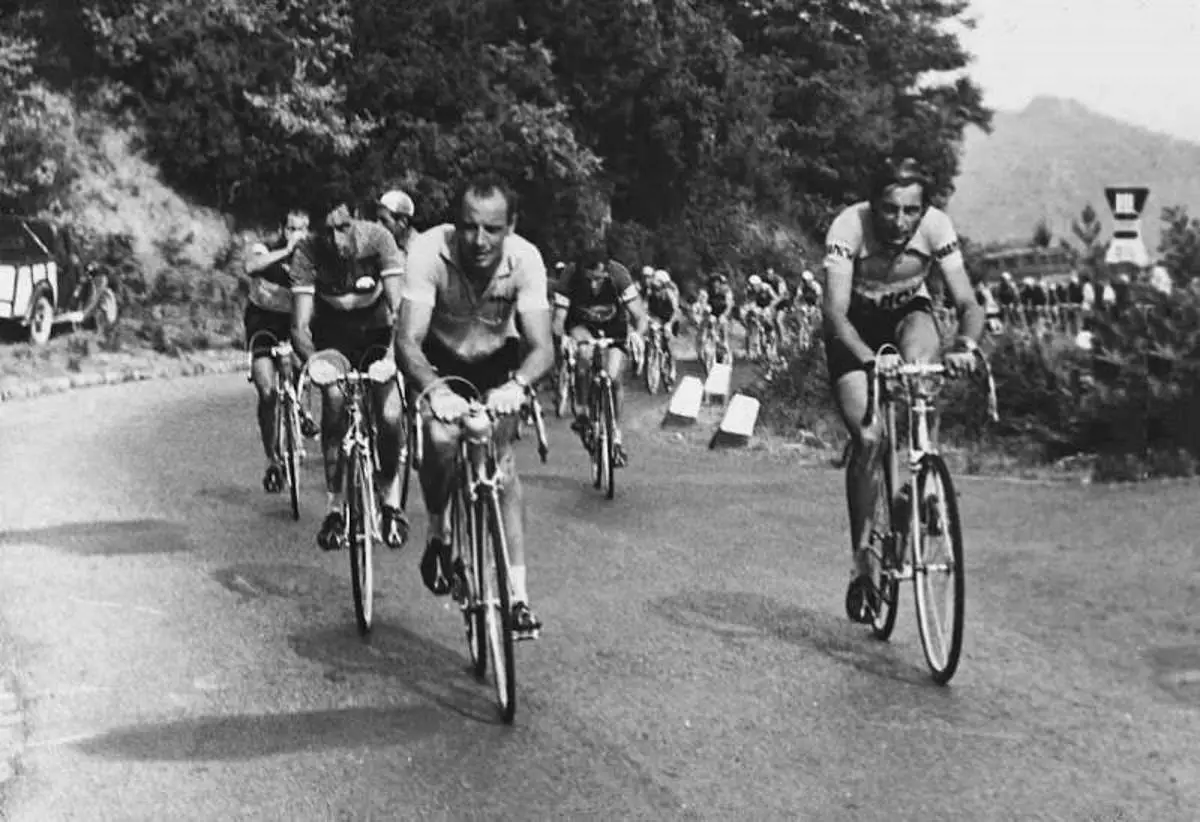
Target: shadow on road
{"x": 422, "y": 666}
{"x": 248, "y": 736}
{"x": 139, "y": 536}
{"x": 737, "y": 616}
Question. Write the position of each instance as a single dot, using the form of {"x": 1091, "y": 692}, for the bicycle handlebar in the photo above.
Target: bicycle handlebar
{"x": 902, "y": 369}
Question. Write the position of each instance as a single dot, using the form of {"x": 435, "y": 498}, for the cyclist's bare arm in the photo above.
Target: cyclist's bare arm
{"x": 971, "y": 316}
{"x": 561, "y": 306}
{"x": 535, "y": 324}
{"x": 637, "y": 312}
{"x": 302, "y": 314}
{"x": 412, "y": 326}
{"x": 257, "y": 263}
{"x": 393, "y": 292}
{"x": 836, "y": 308}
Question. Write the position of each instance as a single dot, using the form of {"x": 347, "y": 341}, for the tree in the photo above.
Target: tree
{"x": 1180, "y": 244}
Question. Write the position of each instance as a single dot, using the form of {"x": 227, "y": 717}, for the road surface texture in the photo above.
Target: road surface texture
{"x": 180, "y": 649}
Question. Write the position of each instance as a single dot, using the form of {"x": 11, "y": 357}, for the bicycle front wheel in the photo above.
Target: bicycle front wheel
{"x": 469, "y": 552}
{"x": 360, "y": 500}
{"x": 498, "y": 599}
{"x": 885, "y": 547}
{"x": 564, "y": 398}
{"x": 290, "y": 441}
{"x": 938, "y": 575}
{"x": 609, "y": 425}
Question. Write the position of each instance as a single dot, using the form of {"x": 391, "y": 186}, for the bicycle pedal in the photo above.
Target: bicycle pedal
{"x": 526, "y": 636}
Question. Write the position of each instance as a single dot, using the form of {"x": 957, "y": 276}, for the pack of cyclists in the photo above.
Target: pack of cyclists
{"x": 472, "y": 298}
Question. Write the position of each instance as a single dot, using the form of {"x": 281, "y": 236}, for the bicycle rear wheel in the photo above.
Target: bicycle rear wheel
{"x": 360, "y": 499}
{"x": 885, "y": 548}
{"x": 498, "y": 599}
{"x": 654, "y": 374}
{"x": 468, "y": 591}
{"x": 609, "y": 425}
{"x": 938, "y": 576}
{"x": 291, "y": 451}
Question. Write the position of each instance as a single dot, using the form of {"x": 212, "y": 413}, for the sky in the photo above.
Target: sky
{"x": 1138, "y": 60}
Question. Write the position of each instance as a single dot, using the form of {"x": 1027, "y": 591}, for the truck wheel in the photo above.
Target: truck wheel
{"x": 41, "y": 320}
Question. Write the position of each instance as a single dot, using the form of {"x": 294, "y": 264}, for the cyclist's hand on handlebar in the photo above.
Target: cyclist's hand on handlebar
{"x": 960, "y": 363}
{"x": 886, "y": 362}
{"x": 446, "y": 406}
{"x": 507, "y": 399}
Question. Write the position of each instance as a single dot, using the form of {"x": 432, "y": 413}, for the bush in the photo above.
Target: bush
{"x": 1133, "y": 403}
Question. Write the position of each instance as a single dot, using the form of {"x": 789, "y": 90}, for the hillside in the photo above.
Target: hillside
{"x": 1057, "y": 155}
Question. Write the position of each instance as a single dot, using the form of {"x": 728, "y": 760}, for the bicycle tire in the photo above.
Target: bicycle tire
{"x": 598, "y": 446}
{"x": 466, "y": 546}
{"x": 943, "y": 659}
{"x": 610, "y": 425}
{"x": 564, "y": 391}
{"x": 886, "y": 550}
{"x": 291, "y": 455}
{"x": 499, "y": 611}
{"x": 407, "y": 455}
{"x": 360, "y": 499}
{"x": 653, "y": 367}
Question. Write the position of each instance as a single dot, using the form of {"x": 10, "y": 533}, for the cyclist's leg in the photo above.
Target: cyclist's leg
{"x": 329, "y": 332}
{"x": 917, "y": 334}
{"x": 263, "y": 330}
{"x": 850, "y": 394}
{"x": 582, "y": 337}
{"x": 388, "y": 411}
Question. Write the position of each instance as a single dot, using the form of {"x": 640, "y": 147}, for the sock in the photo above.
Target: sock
{"x": 334, "y": 502}
{"x": 517, "y": 578}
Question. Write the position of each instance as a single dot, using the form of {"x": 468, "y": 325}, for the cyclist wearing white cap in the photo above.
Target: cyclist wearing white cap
{"x": 395, "y": 211}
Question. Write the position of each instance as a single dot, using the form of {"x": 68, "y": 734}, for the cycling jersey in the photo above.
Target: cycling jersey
{"x": 811, "y": 294}
{"x": 465, "y": 323}
{"x": 269, "y": 288}
{"x": 719, "y": 300}
{"x": 318, "y": 269}
{"x": 601, "y": 309}
{"x": 661, "y": 303}
{"x": 884, "y": 278}
{"x": 764, "y": 296}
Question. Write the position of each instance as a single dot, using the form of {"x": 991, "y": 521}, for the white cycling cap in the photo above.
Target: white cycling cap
{"x": 397, "y": 202}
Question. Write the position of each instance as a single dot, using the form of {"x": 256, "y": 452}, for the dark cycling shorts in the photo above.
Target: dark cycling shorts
{"x": 276, "y": 323}
{"x": 491, "y": 372}
{"x": 617, "y": 331}
{"x": 876, "y": 327}
{"x": 357, "y": 334}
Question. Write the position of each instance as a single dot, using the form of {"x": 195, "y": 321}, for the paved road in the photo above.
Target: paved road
{"x": 183, "y": 650}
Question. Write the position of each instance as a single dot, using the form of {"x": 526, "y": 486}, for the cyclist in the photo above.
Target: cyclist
{"x": 777, "y": 311}
{"x": 599, "y": 297}
{"x": 810, "y": 290}
{"x": 395, "y": 211}
{"x": 761, "y": 298}
{"x": 471, "y": 286}
{"x": 346, "y": 283}
{"x": 878, "y": 256}
{"x": 269, "y": 308}
{"x": 720, "y": 307}
{"x": 662, "y": 301}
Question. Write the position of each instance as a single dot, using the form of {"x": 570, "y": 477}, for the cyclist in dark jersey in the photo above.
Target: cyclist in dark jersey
{"x": 269, "y": 309}
{"x": 599, "y": 298}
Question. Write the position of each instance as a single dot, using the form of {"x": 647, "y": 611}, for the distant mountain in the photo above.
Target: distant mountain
{"x": 1053, "y": 158}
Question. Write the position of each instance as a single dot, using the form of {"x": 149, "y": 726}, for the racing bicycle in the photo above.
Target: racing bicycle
{"x": 660, "y": 362}
{"x": 714, "y": 346}
{"x": 602, "y": 419}
{"x": 481, "y": 579}
{"x": 289, "y": 421}
{"x": 359, "y": 465}
{"x": 916, "y": 533}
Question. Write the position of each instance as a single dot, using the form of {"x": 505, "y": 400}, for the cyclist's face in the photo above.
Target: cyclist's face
{"x": 596, "y": 275}
{"x": 295, "y": 226}
{"x": 336, "y": 231}
{"x": 482, "y": 227}
{"x": 898, "y": 212}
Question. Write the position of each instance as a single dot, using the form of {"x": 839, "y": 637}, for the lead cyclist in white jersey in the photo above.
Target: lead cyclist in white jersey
{"x": 878, "y": 255}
